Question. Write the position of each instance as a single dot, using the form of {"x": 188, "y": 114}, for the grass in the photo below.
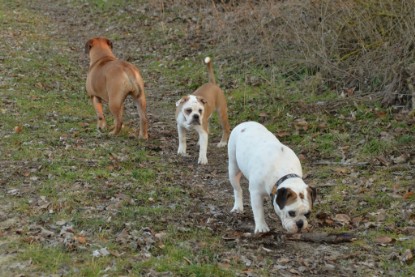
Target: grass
{"x": 66, "y": 171}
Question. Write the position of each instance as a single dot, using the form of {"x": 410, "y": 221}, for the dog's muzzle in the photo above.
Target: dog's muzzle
{"x": 195, "y": 120}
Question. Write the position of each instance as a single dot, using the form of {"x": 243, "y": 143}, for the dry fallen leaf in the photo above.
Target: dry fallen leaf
{"x": 342, "y": 219}
{"x": 342, "y": 170}
{"x": 384, "y": 240}
{"x": 300, "y": 124}
{"x": 80, "y": 239}
{"x": 18, "y": 129}
{"x": 322, "y": 126}
{"x": 282, "y": 134}
{"x": 224, "y": 266}
{"x": 407, "y": 256}
{"x": 401, "y": 159}
{"x": 408, "y": 194}
{"x": 383, "y": 160}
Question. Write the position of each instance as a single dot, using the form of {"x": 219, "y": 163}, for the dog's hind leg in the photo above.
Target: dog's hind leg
{"x": 116, "y": 107}
{"x": 223, "y": 118}
{"x": 97, "y": 103}
{"x": 235, "y": 175}
{"x": 140, "y": 102}
{"x": 235, "y": 178}
{"x": 224, "y": 121}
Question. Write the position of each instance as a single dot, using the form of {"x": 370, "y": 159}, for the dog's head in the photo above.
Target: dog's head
{"x": 192, "y": 108}
{"x": 293, "y": 204}
{"x": 100, "y": 42}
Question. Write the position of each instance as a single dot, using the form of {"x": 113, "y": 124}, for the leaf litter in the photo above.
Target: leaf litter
{"x": 209, "y": 210}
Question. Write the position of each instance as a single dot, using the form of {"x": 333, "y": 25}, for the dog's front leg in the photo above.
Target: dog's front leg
{"x": 257, "y": 203}
{"x": 182, "y": 140}
{"x": 203, "y": 144}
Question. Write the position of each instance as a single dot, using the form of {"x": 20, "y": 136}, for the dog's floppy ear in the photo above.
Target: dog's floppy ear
{"x": 109, "y": 43}
{"x": 202, "y": 100}
{"x": 312, "y": 192}
{"x": 182, "y": 100}
{"x": 88, "y": 46}
{"x": 285, "y": 196}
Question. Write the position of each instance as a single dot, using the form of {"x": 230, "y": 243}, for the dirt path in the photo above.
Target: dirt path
{"x": 210, "y": 188}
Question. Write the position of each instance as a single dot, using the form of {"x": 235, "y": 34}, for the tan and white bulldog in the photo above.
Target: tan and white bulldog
{"x": 272, "y": 169}
{"x": 111, "y": 80}
{"x": 194, "y": 111}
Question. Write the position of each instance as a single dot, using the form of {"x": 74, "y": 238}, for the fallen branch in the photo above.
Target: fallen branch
{"x": 322, "y": 237}
{"x": 340, "y": 163}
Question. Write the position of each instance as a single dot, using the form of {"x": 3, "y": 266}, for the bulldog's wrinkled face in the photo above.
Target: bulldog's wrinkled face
{"x": 294, "y": 208}
{"x": 192, "y": 109}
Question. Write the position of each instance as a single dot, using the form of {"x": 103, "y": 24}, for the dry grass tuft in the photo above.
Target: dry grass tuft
{"x": 362, "y": 47}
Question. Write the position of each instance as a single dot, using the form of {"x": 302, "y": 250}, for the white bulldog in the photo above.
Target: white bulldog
{"x": 271, "y": 169}
{"x": 194, "y": 111}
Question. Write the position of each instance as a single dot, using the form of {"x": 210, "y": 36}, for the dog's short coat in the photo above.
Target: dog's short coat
{"x": 112, "y": 80}
{"x": 194, "y": 111}
{"x": 258, "y": 155}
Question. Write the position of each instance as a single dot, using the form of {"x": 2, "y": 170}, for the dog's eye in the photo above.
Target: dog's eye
{"x": 188, "y": 111}
{"x": 291, "y": 213}
{"x": 200, "y": 111}
{"x": 307, "y": 215}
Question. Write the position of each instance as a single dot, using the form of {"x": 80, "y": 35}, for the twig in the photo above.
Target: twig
{"x": 340, "y": 163}
{"x": 187, "y": 260}
{"x": 322, "y": 237}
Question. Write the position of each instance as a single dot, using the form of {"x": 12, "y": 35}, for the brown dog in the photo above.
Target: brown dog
{"x": 194, "y": 111}
{"x": 112, "y": 80}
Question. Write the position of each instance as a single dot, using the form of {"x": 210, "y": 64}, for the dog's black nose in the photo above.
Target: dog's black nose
{"x": 300, "y": 224}
{"x": 196, "y": 116}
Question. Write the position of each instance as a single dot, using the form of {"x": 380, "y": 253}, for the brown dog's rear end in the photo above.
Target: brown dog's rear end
{"x": 111, "y": 80}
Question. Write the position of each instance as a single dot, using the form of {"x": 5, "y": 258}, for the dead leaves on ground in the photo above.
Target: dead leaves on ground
{"x": 62, "y": 233}
{"x": 352, "y": 223}
{"x": 142, "y": 241}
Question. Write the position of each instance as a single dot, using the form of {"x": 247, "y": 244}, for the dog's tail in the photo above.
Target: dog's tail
{"x": 208, "y": 62}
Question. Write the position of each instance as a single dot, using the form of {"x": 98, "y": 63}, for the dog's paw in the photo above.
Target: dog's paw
{"x": 261, "y": 228}
{"x": 202, "y": 160}
{"x": 182, "y": 152}
{"x": 114, "y": 132}
{"x": 101, "y": 127}
{"x": 222, "y": 144}
{"x": 237, "y": 210}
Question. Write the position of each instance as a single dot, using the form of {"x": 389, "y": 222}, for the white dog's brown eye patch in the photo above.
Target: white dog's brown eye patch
{"x": 291, "y": 197}
{"x": 188, "y": 111}
{"x": 285, "y": 196}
